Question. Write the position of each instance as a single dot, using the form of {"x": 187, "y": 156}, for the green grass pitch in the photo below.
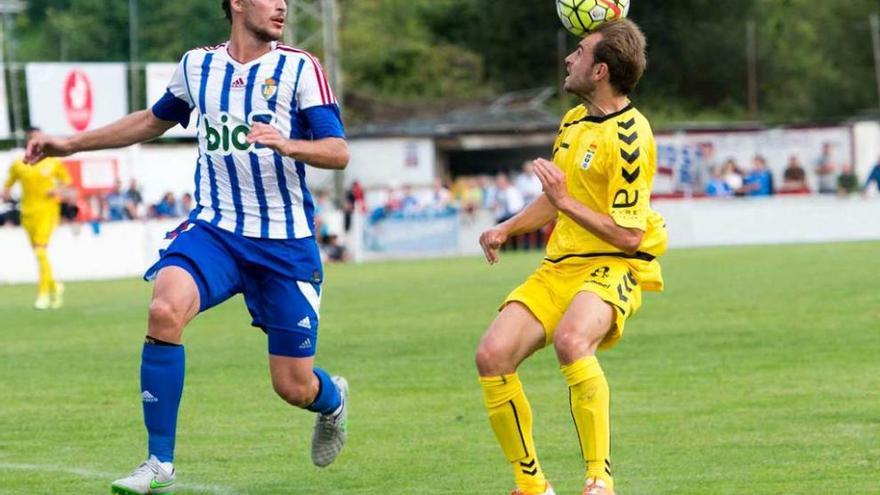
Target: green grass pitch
{"x": 757, "y": 371}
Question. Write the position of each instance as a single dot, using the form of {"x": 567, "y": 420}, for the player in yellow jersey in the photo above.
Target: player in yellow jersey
{"x": 42, "y": 186}
{"x": 601, "y": 255}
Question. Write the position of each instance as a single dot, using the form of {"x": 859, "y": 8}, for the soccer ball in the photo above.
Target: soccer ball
{"x": 581, "y": 17}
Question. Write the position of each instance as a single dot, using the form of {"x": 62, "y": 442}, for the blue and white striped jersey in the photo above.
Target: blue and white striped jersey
{"x": 242, "y": 188}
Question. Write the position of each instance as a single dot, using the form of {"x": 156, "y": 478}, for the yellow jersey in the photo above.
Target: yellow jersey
{"x": 37, "y": 181}
{"x": 609, "y": 164}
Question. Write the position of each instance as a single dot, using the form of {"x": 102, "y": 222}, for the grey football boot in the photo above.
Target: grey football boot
{"x": 330, "y": 429}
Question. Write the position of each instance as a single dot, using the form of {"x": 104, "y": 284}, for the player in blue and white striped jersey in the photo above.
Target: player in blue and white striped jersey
{"x": 265, "y": 111}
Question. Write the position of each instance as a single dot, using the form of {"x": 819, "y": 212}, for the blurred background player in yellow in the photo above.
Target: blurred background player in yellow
{"x": 43, "y": 185}
{"x": 601, "y": 255}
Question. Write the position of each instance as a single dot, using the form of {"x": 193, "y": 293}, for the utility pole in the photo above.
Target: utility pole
{"x": 752, "y": 63}
{"x": 133, "y": 42}
{"x": 9, "y": 8}
{"x": 312, "y": 25}
{"x": 875, "y": 35}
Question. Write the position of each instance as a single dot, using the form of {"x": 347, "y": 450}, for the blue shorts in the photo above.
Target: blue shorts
{"x": 279, "y": 278}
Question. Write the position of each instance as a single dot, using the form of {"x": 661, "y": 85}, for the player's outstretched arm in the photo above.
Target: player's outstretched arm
{"x": 600, "y": 225}
{"x": 534, "y": 216}
{"x": 134, "y": 128}
{"x": 328, "y": 153}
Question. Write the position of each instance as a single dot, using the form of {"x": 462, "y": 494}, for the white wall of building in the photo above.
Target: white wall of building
{"x": 775, "y": 220}
{"x": 867, "y": 147}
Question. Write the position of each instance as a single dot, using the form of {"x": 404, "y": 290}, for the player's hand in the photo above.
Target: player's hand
{"x": 492, "y": 240}
{"x": 552, "y": 181}
{"x": 6, "y": 196}
{"x": 269, "y": 137}
{"x": 42, "y": 145}
{"x": 58, "y": 193}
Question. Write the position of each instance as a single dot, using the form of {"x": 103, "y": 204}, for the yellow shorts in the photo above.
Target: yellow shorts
{"x": 549, "y": 291}
{"x": 40, "y": 227}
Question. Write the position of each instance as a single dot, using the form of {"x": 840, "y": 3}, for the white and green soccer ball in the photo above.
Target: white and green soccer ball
{"x": 581, "y": 17}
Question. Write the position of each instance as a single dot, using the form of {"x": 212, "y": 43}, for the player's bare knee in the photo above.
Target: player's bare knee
{"x": 165, "y": 318}
{"x": 493, "y": 359}
{"x": 572, "y": 343}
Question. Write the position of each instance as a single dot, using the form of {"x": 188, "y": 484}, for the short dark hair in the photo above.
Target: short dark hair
{"x": 623, "y": 48}
{"x": 227, "y": 9}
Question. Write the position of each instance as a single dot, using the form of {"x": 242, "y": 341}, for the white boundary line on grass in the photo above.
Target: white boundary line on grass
{"x": 87, "y": 473}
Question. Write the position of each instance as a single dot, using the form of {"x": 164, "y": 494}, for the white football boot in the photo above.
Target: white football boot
{"x": 330, "y": 429}
{"x": 149, "y": 477}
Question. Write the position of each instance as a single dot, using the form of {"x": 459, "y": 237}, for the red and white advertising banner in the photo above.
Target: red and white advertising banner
{"x": 158, "y": 76}
{"x": 4, "y": 106}
{"x": 68, "y": 98}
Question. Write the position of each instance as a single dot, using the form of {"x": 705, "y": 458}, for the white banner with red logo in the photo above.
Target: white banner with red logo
{"x": 68, "y": 98}
{"x": 158, "y": 75}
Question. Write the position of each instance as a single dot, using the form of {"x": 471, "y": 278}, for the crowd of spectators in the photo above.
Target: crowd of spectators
{"x": 120, "y": 204}
{"x": 501, "y": 194}
{"x": 117, "y": 204}
{"x": 729, "y": 179}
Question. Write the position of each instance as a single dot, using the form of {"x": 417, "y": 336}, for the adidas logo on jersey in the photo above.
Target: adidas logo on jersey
{"x": 148, "y": 397}
{"x": 238, "y": 83}
{"x": 305, "y": 323}
{"x": 307, "y": 344}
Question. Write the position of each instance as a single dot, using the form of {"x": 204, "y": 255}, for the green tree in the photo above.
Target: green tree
{"x": 390, "y": 52}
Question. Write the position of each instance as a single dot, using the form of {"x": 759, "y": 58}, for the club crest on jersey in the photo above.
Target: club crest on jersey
{"x": 588, "y": 158}
{"x": 270, "y": 88}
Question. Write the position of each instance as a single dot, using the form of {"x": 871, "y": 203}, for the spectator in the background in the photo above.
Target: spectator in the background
{"x": 9, "y": 213}
{"x": 732, "y": 176}
{"x": 116, "y": 202}
{"x": 717, "y": 187}
{"x": 354, "y": 201}
{"x": 826, "y": 170}
{"x": 794, "y": 179}
{"x": 759, "y": 181}
{"x": 705, "y": 162}
{"x": 874, "y": 177}
{"x": 393, "y": 200}
{"x": 135, "y": 200}
{"x": 323, "y": 206}
{"x": 186, "y": 204}
{"x": 847, "y": 181}
{"x": 467, "y": 194}
{"x": 528, "y": 183}
{"x": 488, "y": 192}
{"x": 409, "y": 202}
{"x": 167, "y": 208}
{"x": 332, "y": 250}
{"x": 441, "y": 197}
{"x": 508, "y": 201}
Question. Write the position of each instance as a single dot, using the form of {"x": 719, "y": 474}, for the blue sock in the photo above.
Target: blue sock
{"x": 328, "y": 398}
{"x": 162, "y": 370}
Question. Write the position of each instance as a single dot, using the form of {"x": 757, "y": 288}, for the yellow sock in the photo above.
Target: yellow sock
{"x": 47, "y": 283}
{"x": 589, "y": 399}
{"x": 511, "y": 418}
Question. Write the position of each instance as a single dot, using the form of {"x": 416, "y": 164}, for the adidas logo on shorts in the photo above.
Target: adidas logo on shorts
{"x": 305, "y": 323}
{"x": 307, "y": 344}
